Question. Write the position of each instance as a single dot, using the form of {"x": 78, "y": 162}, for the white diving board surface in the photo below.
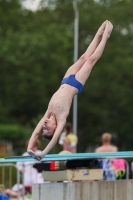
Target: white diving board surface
{"x": 59, "y": 157}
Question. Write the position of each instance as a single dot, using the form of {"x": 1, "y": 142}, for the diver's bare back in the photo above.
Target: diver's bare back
{"x": 61, "y": 101}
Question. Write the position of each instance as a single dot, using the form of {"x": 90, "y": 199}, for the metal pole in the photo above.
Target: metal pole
{"x": 76, "y": 27}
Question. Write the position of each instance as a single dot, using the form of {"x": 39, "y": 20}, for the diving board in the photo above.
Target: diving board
{"x": 58, "y": 157}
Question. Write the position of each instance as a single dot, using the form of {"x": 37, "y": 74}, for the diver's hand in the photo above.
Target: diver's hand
{"x": 36, "y": 156}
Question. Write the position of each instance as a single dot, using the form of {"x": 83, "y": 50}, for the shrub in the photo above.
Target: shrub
{"x": 15, "y": 134}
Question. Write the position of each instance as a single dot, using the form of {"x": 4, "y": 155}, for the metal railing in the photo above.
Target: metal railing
{"x": 6, "y": 177}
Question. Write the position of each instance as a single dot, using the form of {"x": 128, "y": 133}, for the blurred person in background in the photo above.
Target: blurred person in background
{"x": 14, "y": 193}
{"x": 106, "y": 164}
{"x": 30, "y": 174}
{"x": 62, "y": 136}
{"x": 119, "y": 165}
{"x": 106, "y": 144}
{"x": 69, "y": 141}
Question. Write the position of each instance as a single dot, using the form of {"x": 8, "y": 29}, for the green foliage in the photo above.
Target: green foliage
{"x": 11, "y": 132}
{"x": 28, "y": 65}
{"x": 107, "y": 97}
{"x": 16, "y": 134}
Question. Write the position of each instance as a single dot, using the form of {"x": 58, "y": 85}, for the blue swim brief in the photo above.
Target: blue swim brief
{"x": 71, "y": 80}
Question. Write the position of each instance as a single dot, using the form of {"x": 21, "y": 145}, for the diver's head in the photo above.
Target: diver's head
{"x": 49, "y": 128}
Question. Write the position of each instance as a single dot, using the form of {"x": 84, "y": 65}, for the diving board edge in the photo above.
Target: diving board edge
{"x": 59, "y": 157}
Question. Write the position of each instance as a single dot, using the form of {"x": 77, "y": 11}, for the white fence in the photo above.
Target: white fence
{"x": 6, "y": 176}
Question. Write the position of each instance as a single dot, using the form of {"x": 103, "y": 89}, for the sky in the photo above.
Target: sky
{"x": 32, "y": 4}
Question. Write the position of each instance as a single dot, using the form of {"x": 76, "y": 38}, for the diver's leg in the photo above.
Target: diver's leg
{"x": 84, "y": 72}
{"x": 90, "y": 50}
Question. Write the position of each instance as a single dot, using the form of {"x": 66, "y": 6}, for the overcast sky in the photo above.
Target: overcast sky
{"x": 31, "y": 4}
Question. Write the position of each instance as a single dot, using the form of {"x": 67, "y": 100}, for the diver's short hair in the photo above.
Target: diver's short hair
{"x": 106, "y": 137}
{"x": 47, "y": 137}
